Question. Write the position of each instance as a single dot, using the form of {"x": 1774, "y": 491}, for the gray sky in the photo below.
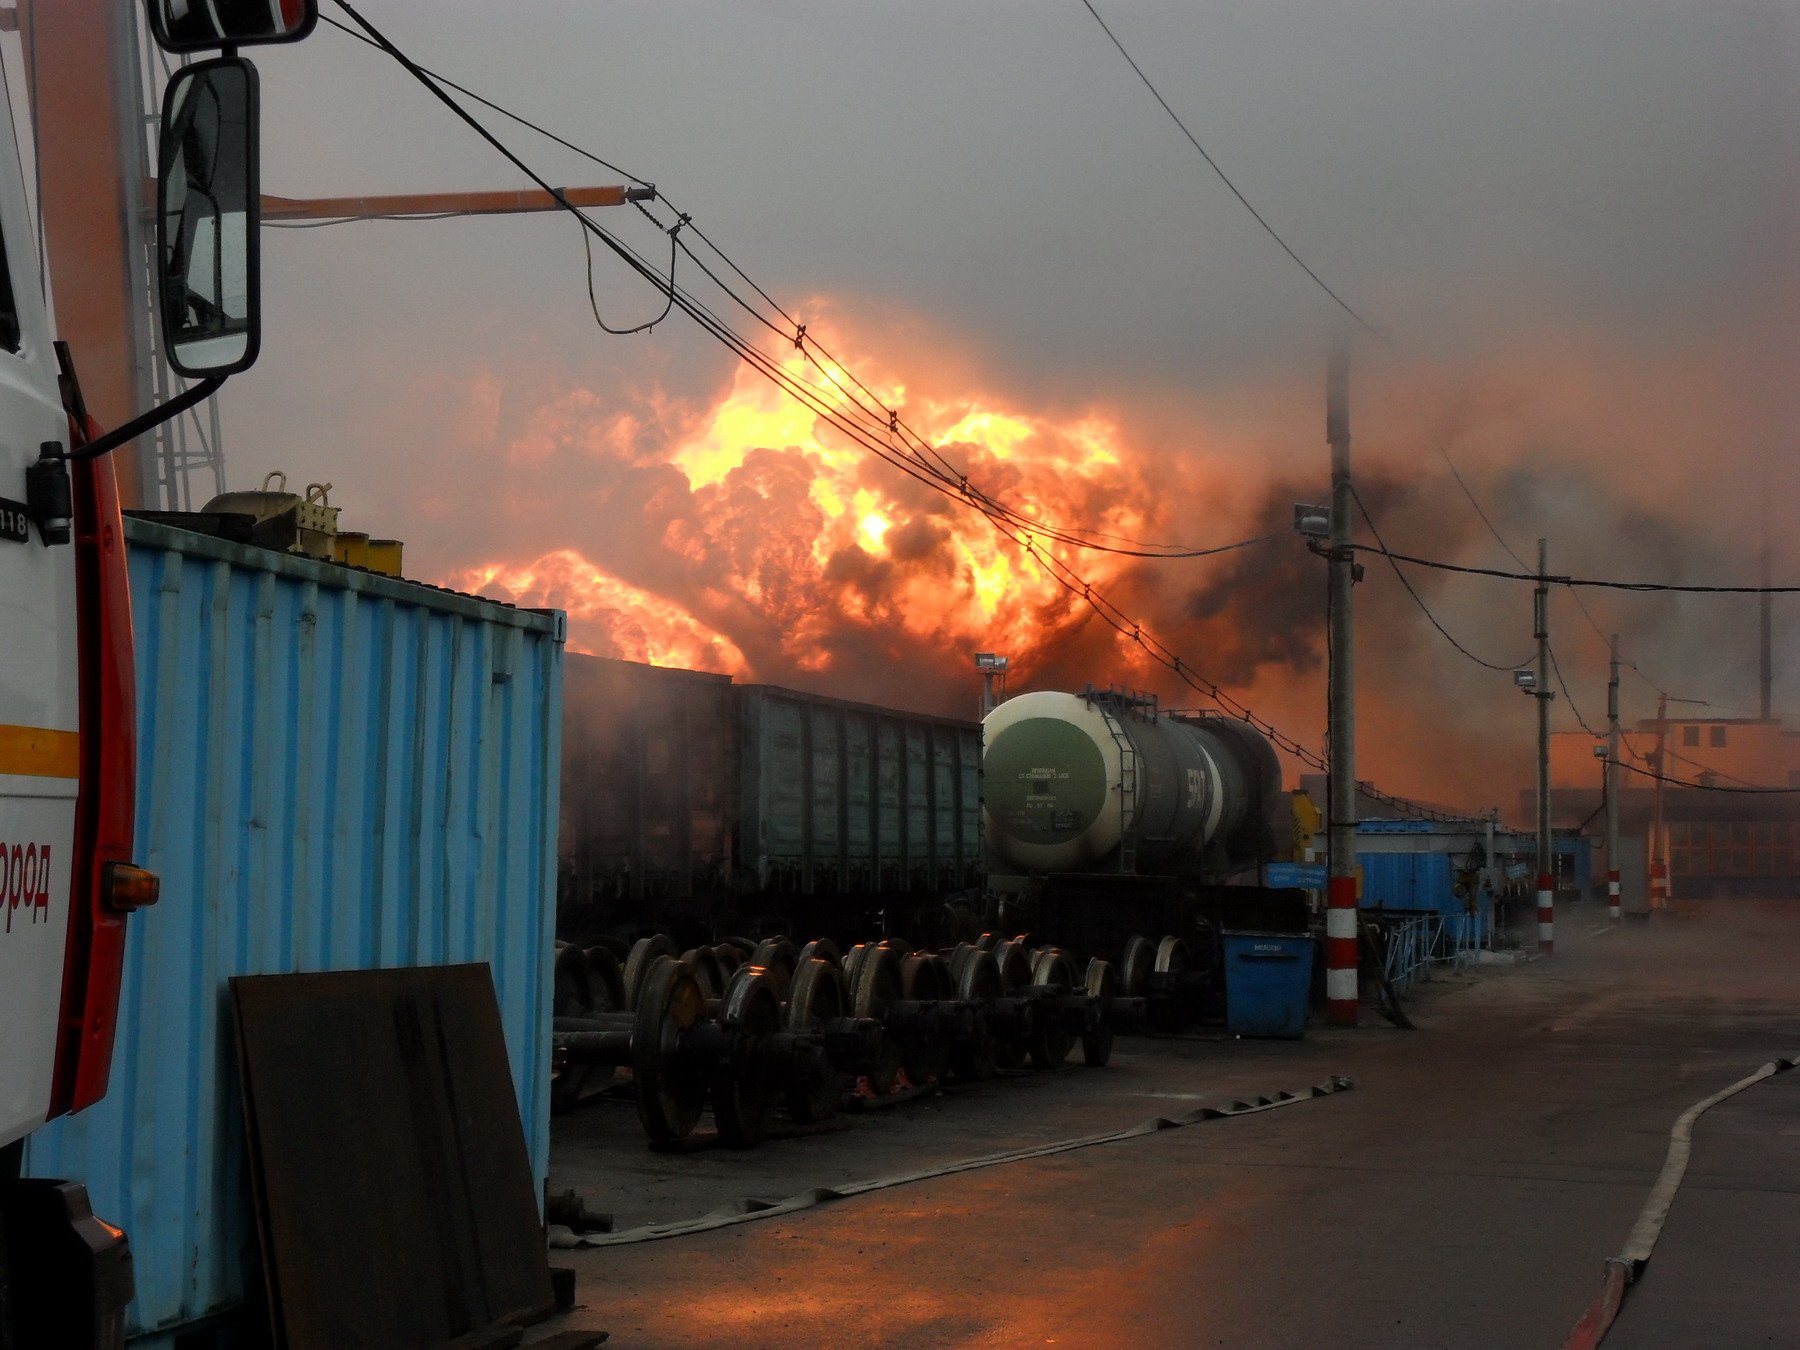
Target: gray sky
{"x": 1577, "y": 223}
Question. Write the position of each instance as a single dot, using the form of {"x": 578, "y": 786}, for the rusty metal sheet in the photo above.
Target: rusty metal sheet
{"x": 395, "y": 1199}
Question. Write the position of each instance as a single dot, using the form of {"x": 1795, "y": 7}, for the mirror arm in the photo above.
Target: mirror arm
{"x": 137, "y": 426}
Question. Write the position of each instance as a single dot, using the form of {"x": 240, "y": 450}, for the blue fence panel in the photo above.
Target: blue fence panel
{"x": 336, "y": 770}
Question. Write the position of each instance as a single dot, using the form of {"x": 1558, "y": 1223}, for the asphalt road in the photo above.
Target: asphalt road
{"x": 1464, "y": 1194}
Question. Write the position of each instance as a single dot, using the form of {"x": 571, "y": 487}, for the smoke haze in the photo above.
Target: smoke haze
{"x": 1576, "y": 225}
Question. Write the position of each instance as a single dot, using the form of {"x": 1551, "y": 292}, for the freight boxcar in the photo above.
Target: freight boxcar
{"x": 702, "y": 807}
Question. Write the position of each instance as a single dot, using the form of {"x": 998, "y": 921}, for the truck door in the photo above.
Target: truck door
{"x": 39, "y": 690}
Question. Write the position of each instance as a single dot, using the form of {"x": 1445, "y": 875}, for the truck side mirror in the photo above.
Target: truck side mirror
{"x": 209, "y": 219}
{"x": 196, "y": 25}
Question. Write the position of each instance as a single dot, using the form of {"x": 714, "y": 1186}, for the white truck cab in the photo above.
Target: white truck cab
{"x": 67, "y": 738}
{"x": 40, "y": 705}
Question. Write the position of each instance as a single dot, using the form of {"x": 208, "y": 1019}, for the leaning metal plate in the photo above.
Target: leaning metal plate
{"x": 394, "y": 1196}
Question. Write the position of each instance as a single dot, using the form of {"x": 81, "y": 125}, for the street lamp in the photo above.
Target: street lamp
{"x": 993, "y": 680}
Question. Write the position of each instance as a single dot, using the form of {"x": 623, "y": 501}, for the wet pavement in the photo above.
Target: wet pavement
{"x": 1465, "y": 1193}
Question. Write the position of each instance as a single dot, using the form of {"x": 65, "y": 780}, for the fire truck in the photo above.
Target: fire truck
{"x": 68, "y": 886}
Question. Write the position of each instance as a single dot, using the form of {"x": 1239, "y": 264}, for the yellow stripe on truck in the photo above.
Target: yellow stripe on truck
{"x": 38, "y": 752}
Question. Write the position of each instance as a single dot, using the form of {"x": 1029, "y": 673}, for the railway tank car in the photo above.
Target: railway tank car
{"x": 1105, "y": 815}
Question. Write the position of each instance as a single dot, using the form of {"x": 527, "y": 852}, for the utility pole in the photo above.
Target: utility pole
{"x": 1659, "y": 863}
{"x": 1611, "y": 785}
{"x": 1546, "y": 896}
{"x": 1766, "y": 666}
{"x": 1340, "y": 893}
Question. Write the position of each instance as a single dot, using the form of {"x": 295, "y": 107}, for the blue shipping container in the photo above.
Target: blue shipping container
{"x": 1268, "y": 980}
{"x": 336, "y": 771}
{"x": 1419, "y": 881}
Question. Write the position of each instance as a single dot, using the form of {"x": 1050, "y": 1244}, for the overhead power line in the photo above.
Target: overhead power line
{"x": 1557, "y": 580}
{"x": 1417, "y": 598}
{"x": 1709, "y": 787}
{"x": 1568, "y": 697}
{"x": 924, "y": 463}
{"x": 863, "y": 403}
{"x": 1225, "y": 178}
{"x": 1513, "y": 553}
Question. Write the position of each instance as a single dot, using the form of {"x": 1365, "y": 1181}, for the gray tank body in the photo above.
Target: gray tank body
{"x": 1105, "y": 782}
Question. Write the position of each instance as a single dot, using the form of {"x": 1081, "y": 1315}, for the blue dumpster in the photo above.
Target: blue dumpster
{"x": 1268, "y": 977}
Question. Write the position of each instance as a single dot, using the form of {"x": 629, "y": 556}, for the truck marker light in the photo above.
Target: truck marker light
{"x": 125, "y": 888}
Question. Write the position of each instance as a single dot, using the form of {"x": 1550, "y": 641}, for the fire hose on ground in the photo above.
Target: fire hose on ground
{"x": 1623, "y": 1270}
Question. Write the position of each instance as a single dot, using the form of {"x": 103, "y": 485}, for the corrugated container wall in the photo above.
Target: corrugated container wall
{"x": 337, "y": 770}
{"x": 846, "y": 797}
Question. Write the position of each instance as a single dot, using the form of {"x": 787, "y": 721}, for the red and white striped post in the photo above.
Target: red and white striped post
{"x": 1659, "y": 885}
{"x": 1612, "y": 894}
{"x": 1340, "y": 951}
{"x": 1546, "y": 914}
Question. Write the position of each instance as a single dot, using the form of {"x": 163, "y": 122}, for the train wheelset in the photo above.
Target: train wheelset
{"x": 749, "y": 1028}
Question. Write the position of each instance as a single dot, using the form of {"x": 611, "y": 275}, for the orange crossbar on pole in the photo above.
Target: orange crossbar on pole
{"x": 445, "y": 203}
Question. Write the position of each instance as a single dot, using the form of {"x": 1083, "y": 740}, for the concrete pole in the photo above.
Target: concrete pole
{"x": 1612, "y": 785}
{"x": 1659, "y": 862}
{"x": 1494, "y": 880}
{"x": 1546, "y": 895}
{"x": 1340, "y": 894}
{"x": 1766, "y": 664}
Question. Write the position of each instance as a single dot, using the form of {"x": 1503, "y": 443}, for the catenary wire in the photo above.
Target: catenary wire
{"x": 1027, "y": 536}
{"x": 1224, "y": 178}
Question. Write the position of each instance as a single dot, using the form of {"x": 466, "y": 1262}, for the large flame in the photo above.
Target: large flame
{"x": 786, "y": 547}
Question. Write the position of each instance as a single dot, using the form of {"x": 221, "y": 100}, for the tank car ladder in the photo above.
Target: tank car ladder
{"x": 1128, "y": 778}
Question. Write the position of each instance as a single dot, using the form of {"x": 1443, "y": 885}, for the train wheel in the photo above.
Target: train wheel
{"x": 1051, "y": 1041}
{"x": 1136, "y": 967}
{"x": 573, "y": 995}
{"x": 877, "y": 989}
{"x": 730, "y": 958}
{"x": 815, "y": 997}
{"x": 740, "y": 1095}
{"x": 1014, "y": 968}
{"x": 707, "y": 969}
{"x": 925, "y": 976}
{"x": 643, "y": 955}
{"x": 778, "y": 957}
{"x": 670, "y": 1093}
{"x": 1097, "y": 1041}
{"x": 978, "y": 983}
{"x": 1173, "y": 958}
{"x": 608, "y": 980}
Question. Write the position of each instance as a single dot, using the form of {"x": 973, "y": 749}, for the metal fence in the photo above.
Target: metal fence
{"x": 1414, "y": 941}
